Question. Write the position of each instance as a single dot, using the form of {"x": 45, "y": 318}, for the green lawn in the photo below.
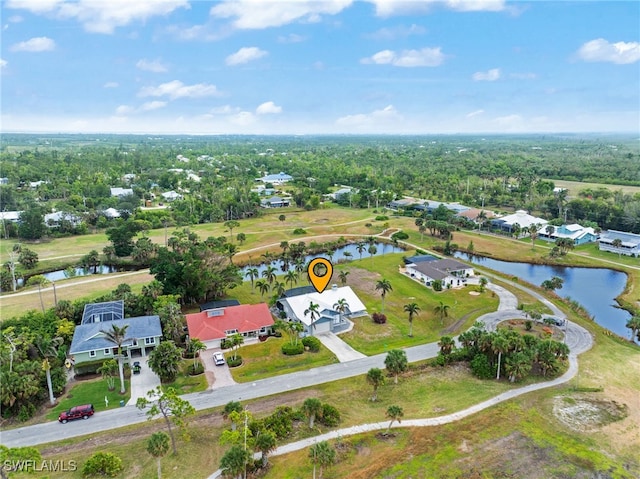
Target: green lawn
{"x": 185, "y": 383}
{"x": 265, "y": 359}
{"x": 92, "y": 391}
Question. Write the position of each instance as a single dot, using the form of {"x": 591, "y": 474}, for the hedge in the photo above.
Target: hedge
{"x": 289, "y": 349}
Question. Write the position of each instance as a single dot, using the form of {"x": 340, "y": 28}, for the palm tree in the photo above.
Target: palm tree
{"x": 517, "y": 366}
{"x": 39, "y": 280}
{"x": 269, "y": 274}
{"x": 481, "y": 218}
{"x": 634, "y": 325}
{"x": 265, "y": 442}
{"x": 396, "y": 363}
{"x": 117, "y": 336}
{"x": 376, "y": 379}
{"x": 443, "y": 310}
{"x": 235, "y": 460}
{"x": 263, "y": 287}
{"x": 252, "y": 273}
{"x": 446, "y": 344}
{"x": 311, "y": 407}
{"x": 372, "y": 251}
{"x": 291, "y": 277}
{"x": 341, "y": 306}
{"x": 395, "y": 413}
{"x": 384, "y": 286}
{"x": 533, "y": 233}
{"x": 279, "y": 288}
{"x": 413, "y": 309}
{"x": 499, "y": 345}
{"x": 343, "y": 276}
{"x": 195, "y": 346}
{"x": 483, "y": 283}
{"x": 617, "y": 243}
{"x": 360, "y": 247}
{"x": 158, "y": 447}
{"x": 323, "y": 454}
{"x": 48, "y": 349}
{"x": 313, "y": 311}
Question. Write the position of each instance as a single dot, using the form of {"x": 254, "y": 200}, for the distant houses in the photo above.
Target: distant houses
{"x": 275, "y": 202}
{"x": 118, "y": 192}
{"x": 328, "y": 317}
{"x": 620, "y": 242}
{"x": 276, "y": 179}
{"x": 521, "y": 218}
{"x": 579, "y": 234}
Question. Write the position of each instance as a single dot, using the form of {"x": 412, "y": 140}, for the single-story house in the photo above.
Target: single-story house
{"x": 329, "y": 318}
{"x": 171, "y": 196}
{"x": 520, "y": 217}
{"x": 275, "y": 202}
{"x": 420, "y": 259}
{"x": 338, "y": 193}
{"x": 111, "y": 213}
{"x": 213, "y": 325}
{"x": 629, "y": 242}
{"x": 452, "y": 273}
{"x": 53, "y": 220}
{"x": 91, "y": 344}
{"x": 400, "y": 203}
{"x": 4, "y": 180}
{"x": 121, "y": 192}
{"x": 13, "y": 216}
{"x": 579, "y": 234}
{"x": 276, "y": 179}
{"x": 472, "y": 214}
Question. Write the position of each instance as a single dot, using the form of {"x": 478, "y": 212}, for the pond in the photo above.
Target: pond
{"x": 594, "y": 288}
{"x": 65, "y": 273}
{"x": 338, "y": 256}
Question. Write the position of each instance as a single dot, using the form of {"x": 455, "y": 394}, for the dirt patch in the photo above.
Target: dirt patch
{"x": 474, "y": 293}
{"x": 586, "y": 414}
{"x": 361, "y": 280}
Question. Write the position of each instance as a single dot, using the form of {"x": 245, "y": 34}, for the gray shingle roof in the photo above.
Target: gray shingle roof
{"x": 88, "y": 337}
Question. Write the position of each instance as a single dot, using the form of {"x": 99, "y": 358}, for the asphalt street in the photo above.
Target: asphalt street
{"x": 578, "y": 339}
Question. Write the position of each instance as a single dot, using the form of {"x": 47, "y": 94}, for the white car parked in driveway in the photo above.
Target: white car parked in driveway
{"x": 218, "y": 359}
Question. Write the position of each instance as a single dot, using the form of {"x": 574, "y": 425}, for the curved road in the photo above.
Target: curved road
{"x": 578, "y": 339}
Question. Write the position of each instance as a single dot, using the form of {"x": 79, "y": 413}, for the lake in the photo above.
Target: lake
{"x": 594, "y": 288}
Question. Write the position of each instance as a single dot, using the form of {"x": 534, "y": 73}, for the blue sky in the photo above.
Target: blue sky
{"x": 320, "y": 67}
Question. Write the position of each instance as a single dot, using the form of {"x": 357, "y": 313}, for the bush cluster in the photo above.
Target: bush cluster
{"x": 234, "y": 362}
{"x": 102, "y": 464}
{"x": 289, "y": 349}
{"x": 299, "y": 231}
{"x": 312, "y": 343}
{"x": 399, "y": 235}
{"x": 379, "y": 318}
{"x": 382, "y": 218}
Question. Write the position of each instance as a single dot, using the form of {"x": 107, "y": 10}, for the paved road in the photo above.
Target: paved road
{"x": 578, "y": 340}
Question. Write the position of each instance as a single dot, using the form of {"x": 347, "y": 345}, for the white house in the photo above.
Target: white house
{"x": 579, "y": 234}
{"x": 629, "y": 243}
{"x": 328, "y": 319}
{"x": 452, "y": 273}
{"x": 520, "y": 217}
{"x": 276, "y": 179}
{"x": 120, "y": 192}
{"x": 171, "y": 196}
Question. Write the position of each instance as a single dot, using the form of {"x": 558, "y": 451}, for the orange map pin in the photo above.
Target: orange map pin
{"x": 320, "y": 271}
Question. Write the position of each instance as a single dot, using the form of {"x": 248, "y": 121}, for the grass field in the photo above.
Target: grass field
{"x": 574, "y": 187}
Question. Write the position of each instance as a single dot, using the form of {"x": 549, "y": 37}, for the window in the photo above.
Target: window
{"x": 92, "y": 354}
{"x": 107, "y": 351}
{"x": 149, "y": 340}
{"x": 231, "y": 332}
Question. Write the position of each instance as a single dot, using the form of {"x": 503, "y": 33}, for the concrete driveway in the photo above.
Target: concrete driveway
{"x": 337, "y": 346}
{"x": 218, "y": 376}
{"x": 143, "y": 382}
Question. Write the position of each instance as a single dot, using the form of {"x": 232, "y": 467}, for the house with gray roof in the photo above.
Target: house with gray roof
{"x": 275, "y": 202}
{"x": 452, "y": 273}
{"x": 90, "y": 342}
{"x": 628, "y": 243}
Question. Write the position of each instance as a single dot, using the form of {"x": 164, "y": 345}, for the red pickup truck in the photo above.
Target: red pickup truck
{"x": 85, "y": 412}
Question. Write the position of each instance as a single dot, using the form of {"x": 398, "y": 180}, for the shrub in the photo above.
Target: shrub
{"x": 382, "y": 218}
{"x": 102, "y": 464}
{"x": 437, "y": 285}
{"x": 199, "y": 369}
{"x": 379, "y": 318}
{"x": 234, "y": 362}
{"x": 528, "y": 324}
{"x": 312, "y": 343}
{"x": 26, "y": 412}
{"x": 367, "y": 225}
{"x": 289, "y": 349}
{"x": 329, "y": 416}
{"x": 399, "y": 235}
{"x": 481, "y": 368}
{"x": 280, "y": 422}
{"x": 299, "y": 231}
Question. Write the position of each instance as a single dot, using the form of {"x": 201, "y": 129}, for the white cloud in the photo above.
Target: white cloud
{"x": 600, "y": 50}
{"x": 155, "y": 66}
{"x": 251, "y": 14}
{"x": 224, "y": 110}
{"x": 176, "y": 89}
{"x": 388, "y": 8}
{"x": 245, "y": 55}
{"x": 425, "y": 57}
{"x": 100, "y": 16}
{"x": 400, "y": 31}
{"x": 152, "y": 105}
{"x": 3, "y": 63}
{"x": 370, "y": 121}
{"x": 291, "y": 38}
{"x": 123, "y": 110}
{"x": 474, "y": 113}
{"x": 111, "y": 84}
{"x": 37, "y": 44}
{"x": 243, "y": 118}
{"x": 268, "y": 108}
{"x": 491, "y": 75}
